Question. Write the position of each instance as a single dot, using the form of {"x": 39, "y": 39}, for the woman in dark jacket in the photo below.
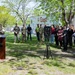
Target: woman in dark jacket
{"x": 56, "y": 36}
{"x": 70, "y": 32}
{"x": 65, "y": 36}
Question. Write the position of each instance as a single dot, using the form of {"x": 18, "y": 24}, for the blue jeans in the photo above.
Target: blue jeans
{"x": 52, "y": 38}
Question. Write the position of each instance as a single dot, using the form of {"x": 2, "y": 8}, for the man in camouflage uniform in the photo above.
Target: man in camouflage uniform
{"x": 16, "y": 33}
{"x": 23, "y": 31}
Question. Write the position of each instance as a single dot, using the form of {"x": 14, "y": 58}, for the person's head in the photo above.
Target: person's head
{"x": 23, "y": 25}
{"x": 40, "y": 25}
{"x": 29, "y": 25}
{"x": 70, "y": 26}
{"x": 52, "y": 26}
{"x": 65, "y": 27}
{"x": 57, "y": 26}
{"x": 60, "y": 27}
{"x": 37, "y": 25}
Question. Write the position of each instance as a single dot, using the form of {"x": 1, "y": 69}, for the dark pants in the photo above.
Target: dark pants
{"x": 65, "y": 44}
{"x": 64, "y": 47}
{"x": 56, "y": 40}
{"x": 29, "y": 36}
{"x": 60, "y": 42}
{"x": 38, "y": 36}
{"x": 74, "y": 41}
{"x": 70, "y": 41}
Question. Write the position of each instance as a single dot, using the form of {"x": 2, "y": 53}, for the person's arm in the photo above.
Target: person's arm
{"x": 31, "y": 30}
{"x": 72, "y": 31}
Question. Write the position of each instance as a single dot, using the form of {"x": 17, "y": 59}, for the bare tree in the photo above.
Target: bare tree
{"x": 20, "y": 8}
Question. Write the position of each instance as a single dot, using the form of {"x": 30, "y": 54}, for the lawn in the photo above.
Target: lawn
{"x": 29, "y": 59}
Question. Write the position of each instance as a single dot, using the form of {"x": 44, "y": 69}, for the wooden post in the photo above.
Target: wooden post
{"x": 47, "y": 48}
{"x": 2, "y": 47}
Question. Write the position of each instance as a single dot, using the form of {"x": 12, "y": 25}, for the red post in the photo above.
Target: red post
{"x": 2, "y": 47}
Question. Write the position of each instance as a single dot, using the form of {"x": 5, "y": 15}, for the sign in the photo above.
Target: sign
{"x": 43, "y": 19}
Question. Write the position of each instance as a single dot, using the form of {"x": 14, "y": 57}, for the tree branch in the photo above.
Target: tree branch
{"x": 63, "y": 12}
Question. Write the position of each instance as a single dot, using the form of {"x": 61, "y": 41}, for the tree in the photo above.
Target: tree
{"x": 5, "y": 17}
{"x": 38, "y": 11}
{"x": 20, "y": 8}
{"x": 60, "y": 9}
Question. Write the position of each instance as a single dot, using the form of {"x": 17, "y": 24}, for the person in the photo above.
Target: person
{"x": 16, "y": 30}
{"x": 37, "y": 32}
{"x": 56, "y": 36}
{"x": 74, "y": 36}
{"x": 23, "y": 32}
{"x": 47, "y": 33}
{"x": 60, "y": 33}
{"x": 1, "y": 30}
{"x": 29, "y": 30}
{"x": 41, "y": 31}
{"x": 52, "y": 34}
{"x": 65, "y": 36}
{"x": 70, "y": 32}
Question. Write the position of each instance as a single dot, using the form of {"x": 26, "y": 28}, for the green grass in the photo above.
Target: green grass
{"x": 30, "y": 54}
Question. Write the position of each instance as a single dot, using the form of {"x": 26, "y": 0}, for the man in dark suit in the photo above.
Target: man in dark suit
{"x": 70, "y": 32}
{"x": 29, "y": 30}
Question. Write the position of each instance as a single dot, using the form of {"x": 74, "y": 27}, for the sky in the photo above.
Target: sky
{"x": 1, "y": 2}
{"x": 31, "y": 4}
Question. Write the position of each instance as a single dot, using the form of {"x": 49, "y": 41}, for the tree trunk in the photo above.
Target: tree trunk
{"x": 65, "y": 19}
{"x": 63, "y": 14}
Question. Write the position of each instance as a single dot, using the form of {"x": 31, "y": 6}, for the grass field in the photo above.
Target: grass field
{"x": 29, "y": 59}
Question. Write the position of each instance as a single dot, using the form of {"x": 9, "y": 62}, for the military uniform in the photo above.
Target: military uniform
{"x": 1, "y": 30}
{"x": 23, "y": 31}
{"x": 41, "y": 31}
{"x": 16, "y": 33}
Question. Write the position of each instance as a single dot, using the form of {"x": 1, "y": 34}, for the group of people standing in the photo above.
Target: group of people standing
{"x": 39, "y": 32}
{"x": 63, "y": 36}
{"x": 59, "y": 35}
{"x": 24, "y": 31}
